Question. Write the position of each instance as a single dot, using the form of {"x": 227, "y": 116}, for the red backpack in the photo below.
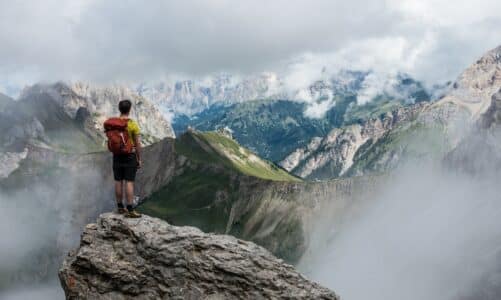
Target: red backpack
{"x": 118, "y": 137}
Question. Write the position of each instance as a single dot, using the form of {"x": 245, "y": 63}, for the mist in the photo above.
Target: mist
{"x": 43, "y": 215}
{"x": 430, "y": 233}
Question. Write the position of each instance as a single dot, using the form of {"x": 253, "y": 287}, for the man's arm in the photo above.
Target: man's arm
{"x": 137, "y": 143}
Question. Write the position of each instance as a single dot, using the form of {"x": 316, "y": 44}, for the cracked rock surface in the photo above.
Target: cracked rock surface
{"x": 147, "y": 258}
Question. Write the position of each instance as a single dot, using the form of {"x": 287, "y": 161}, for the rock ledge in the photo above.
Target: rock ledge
{"x": 147, "y": 258}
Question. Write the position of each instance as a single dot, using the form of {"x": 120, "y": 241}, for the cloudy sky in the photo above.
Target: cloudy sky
{"x": 116, "y": 40}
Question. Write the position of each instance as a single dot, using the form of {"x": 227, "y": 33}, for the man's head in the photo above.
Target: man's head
{"x": 124, "y": 106}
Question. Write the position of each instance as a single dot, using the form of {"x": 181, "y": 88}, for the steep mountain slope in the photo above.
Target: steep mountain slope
{"x": 334, "y": 154}
{"x": 480, "y": 151}
{"x": 253, "y": 200}
{"x": 217, "y": 148}
{"x": 429, "y": 132}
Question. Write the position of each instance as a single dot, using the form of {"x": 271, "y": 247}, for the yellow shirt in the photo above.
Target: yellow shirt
{"x": 133, "y": 130}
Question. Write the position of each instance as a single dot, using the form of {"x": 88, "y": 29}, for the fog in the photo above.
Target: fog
{"x": 42, "y": 218}
{"x": 430, "y": 234}
{"x": 50, "y": 291}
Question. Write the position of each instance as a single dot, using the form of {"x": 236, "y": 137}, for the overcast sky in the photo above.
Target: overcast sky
{"x": 115, "y": 40}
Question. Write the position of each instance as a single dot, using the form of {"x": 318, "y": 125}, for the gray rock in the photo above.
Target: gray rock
{"x": 147, "y": 258}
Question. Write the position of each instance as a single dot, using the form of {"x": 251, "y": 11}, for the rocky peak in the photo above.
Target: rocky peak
{"x": 475, "y": 86}
{"x": 334, "y": 154}
{"x": 147, "y": 258}
{"x": 100, "y": 102}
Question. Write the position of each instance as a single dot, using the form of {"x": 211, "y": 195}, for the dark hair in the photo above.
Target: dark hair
{"x": 124, "y": 106}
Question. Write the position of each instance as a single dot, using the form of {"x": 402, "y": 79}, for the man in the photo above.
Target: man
{"x": 126, "y": 156}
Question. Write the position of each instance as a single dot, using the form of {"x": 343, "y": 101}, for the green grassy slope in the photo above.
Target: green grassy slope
{"x": 216, "y": 148}
{"x": 213, "y": 175}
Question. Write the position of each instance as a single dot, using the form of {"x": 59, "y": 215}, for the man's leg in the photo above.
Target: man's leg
{"x": 130, "y": 177}
{"x": 119, "y": 191}
{"x": 119, "y": 185}
{"x": 129, "y": 189}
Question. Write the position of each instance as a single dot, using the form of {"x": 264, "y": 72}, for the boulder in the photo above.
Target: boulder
{"x": 146, "y": 258}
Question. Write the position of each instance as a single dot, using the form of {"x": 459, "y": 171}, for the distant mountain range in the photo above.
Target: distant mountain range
{"x": 189, "y": 97}
{"x": 274, "y": 128}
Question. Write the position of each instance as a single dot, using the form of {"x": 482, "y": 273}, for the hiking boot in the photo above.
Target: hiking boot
{"x": 132, "y": 214}
{"x": 121, "y": 210}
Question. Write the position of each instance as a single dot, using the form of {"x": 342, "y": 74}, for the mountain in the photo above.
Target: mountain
{"x": 275, "y": 128}
{"x": 92, "y": 104}
{"x": 474, "y": 88}
{"x": 338, "y": 152}
{"x": 70, "y": 118}
{"x": 419, "y": 132}
{"x": 158, "y": 260}
{"x": 479, "y": 152}
{"x": 226, "y": 189}
{"x": 190, "y": 97}
{"x": 271, "y": 128}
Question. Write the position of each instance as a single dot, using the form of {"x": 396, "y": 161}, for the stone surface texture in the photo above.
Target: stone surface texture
{"x": 147, "y": 258}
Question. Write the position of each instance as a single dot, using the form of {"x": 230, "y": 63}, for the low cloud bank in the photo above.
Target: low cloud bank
{"x": 430, "y": 234}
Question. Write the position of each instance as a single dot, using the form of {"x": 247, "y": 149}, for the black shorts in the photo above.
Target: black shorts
{"x": 125, "y": 167}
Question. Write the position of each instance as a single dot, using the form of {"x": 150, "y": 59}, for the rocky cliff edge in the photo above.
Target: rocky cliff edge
{"x": 147, "y": 258}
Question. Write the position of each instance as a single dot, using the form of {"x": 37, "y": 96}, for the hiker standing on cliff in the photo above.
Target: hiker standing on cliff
{"x": 125, "y": 144}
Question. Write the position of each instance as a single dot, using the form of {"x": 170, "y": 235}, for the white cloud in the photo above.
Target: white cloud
{"x": 318, "y": 109}
{"x": 137, "y": 40}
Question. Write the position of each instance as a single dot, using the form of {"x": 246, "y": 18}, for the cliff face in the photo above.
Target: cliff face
{"x": 334, "y": 154}
{"x": 147, "y": 258}
{"x": 89, "y": 106}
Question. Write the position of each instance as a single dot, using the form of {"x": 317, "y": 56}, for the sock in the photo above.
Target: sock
{"x": 120, "y": 205}
{"x": 129, "y": 207}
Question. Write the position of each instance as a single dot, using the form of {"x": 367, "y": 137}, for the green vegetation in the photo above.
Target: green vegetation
{"x": 275, "y": 128}
{"x": 197, "y": 197}
{"x": 208, "y": 184}
{"x": 216, "y": 148}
